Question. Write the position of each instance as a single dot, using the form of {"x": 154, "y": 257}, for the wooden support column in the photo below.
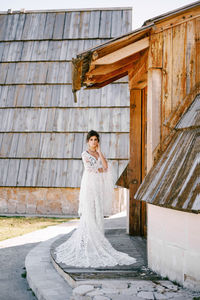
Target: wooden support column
{"x": 135, "y": 170}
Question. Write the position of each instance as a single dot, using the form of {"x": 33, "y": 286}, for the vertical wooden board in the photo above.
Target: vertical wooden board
{"x": 116, "y": 27}
{"x": 11, "y": 96}
{"x": 94, "y": 98}
{"x": 179, "y": 68}
{"x": 35, "y": 95}
{"x": 77, "y": 146}
{"x": 34, "y": 169}
{"x": 52, "y": 72}
{"x": 190, "y": 56}
{"x": 61, "y": 148}
{"x": 51, "y": 50}
{"x": 14, "y": 145}
{"x": 66, "y": 96}
{"x": 68, "y": 144}
{"x": 124, "y": 95}
{"x": 10, "y": 78}
{"x": 64, "y": 50}
{"x": 135, "y": 162}
{"x": 6, "y": 46}
{"x": 20, "y": 26}
{"x": 94, "y": 24}
{"x": 13, "y": 27}
{"x": 197, "y": 37}
{"x": 29, "y": 49}
{"x": 42, "y": 50}
{"x": 64, "y": 74}
{"x": 3, "y": 22}
{"x": 52, "y": 172}
{"x": 126, "y": 21}
{"x": 156, "y": 51}
{"x": 41, "y": 25}
{"x": 167, "y": 96}
{"x": 105, "y": 24}
{"x": 124, "y": 120}
{"x": 13, "y": 52}
{"x": 26, "y": 27}
{"x": 21, "y": 176}
{"x": 3, "y": 72}
{"x": 2, "y": 46}
{"x": 42, "y": 118}
{"x": 115, "y": 169}
{"x": 84, "y": 24}
{"x": 1, "y": 145}
{"x": 76, "y": 177}
{"x": 123, "y": 146}
{"x": 105, "y": 144}
{"x": 74, "y": 25}
{"x": 6, "y": 144}
{"x": 33, "y": 30}
{"x": 13, "y": 170}
{"x": 3, "y": 95}
{"x": 49, "y": 26}
{"x": 58, "y": 27}
{"x": 8, "y": 26}
{"x": 4, "y": 164}
{"x": 45, "y": 173}
{"x": 66, "y": 31}
{"x": 25, "y": 92}
{"x": 33, "y": 51}
{"x": 32, "y": 144}
{"x": 8, "y": 120}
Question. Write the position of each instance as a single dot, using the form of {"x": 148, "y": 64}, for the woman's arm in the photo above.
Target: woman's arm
{"x": 103, "y": 160}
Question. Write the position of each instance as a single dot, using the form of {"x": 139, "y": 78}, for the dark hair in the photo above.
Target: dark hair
{"x": 92, "y": 133}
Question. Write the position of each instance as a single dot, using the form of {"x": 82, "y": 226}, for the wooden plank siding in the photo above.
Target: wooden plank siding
{"x": 177, "y": 49}
{"x": 42, "y": 130}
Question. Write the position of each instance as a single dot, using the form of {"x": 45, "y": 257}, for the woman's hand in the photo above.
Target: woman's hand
{"x": 98, "y": 148}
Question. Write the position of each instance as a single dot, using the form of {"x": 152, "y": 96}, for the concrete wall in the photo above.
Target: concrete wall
{"x": 174, "y": 245}
{"x": 47, "y": 201}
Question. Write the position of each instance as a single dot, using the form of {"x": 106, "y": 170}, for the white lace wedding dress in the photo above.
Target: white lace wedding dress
{"x": 88, "y": 247}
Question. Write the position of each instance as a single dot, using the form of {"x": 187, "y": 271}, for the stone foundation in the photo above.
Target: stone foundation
{"x": 48, "y": 201}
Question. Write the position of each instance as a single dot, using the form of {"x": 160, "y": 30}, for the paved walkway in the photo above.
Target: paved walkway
{"x": 47, "y": 284}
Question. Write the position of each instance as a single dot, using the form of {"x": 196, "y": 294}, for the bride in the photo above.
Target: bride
{"x": 88, "y": 247}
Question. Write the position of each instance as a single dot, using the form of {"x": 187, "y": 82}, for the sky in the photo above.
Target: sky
{"x": 142, "y": 9}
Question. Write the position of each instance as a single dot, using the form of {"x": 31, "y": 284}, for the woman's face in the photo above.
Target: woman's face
{"x": 93, "y": 142}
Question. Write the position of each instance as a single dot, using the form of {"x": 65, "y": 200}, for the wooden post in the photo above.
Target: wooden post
{"x": 135, "y": 169}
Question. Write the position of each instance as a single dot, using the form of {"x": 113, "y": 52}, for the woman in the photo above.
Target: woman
{"x": 88, "y": 247}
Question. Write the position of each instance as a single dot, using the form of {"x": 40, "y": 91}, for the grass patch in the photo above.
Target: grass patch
{"x": 15, "y": 226}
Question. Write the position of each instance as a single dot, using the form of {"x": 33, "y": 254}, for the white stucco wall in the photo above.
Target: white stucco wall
{"x": 174, "y": 245}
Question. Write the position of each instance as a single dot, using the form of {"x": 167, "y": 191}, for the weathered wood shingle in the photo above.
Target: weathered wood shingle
{"x": 42, "y": 130}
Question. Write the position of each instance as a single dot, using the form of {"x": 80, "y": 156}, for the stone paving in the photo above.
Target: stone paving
{"x": 132, "y": 290}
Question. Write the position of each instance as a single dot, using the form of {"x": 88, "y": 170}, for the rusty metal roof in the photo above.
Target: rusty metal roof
{"x": 42, "y": 130}
{"x": 174, "y": 182}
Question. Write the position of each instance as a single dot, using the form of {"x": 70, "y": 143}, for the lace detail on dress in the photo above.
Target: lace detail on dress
{"x": 90, "y": 162}
{"x": 88, "y": 247}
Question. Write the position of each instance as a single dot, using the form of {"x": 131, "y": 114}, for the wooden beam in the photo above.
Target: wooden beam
{"x": 103, "y": 70}
{"x": 106, "y": 82}
{"x": 135, "y": 162}
{"x": 138, "y": 74}
{"x": 126, "y": 51}
{"x": 104, "y": 77}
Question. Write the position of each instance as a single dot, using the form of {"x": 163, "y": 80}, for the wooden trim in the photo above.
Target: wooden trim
{"x": 135, "y": 162}
{"x": 106, "y": 69}
{"x": 123, "y": 52}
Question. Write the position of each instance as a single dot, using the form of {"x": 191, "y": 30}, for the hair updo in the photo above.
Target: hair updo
{"x": 92, "y": 133}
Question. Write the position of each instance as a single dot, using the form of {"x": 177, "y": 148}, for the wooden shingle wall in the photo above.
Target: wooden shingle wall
{"x": 174, "y": 59}
{"x": 42, "y": 130}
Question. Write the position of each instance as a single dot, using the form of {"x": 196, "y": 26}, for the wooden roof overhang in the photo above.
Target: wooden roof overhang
{"x": 111, "y": 61}
{"x": 174, "y": 182}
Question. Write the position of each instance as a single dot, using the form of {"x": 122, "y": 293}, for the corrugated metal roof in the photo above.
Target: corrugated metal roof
{"x": 174, "y": 182}
{"x": 42, "y": 130}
